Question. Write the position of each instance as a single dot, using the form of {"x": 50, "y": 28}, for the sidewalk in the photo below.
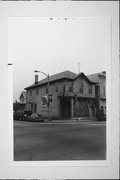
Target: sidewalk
{"x": 68, "y": 122}
{"x": 75, "y": 121}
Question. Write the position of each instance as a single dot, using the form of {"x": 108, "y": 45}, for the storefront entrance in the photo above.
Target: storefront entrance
{"x": 65, "y": 107}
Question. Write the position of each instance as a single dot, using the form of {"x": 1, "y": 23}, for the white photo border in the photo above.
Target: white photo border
{"x": 98, "y": 170}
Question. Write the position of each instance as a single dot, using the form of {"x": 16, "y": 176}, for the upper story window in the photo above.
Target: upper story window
{"x": 64, "y": 88}
{"x": 81, "y": 87}
{"x": 71, "y": 88}
{"x": 46, "y": 89}
{"x": 103, "y": 90}
{"x": 56, "y": 87}
{"x": 30, "y": 92}
{"x": 36, "y": 91}
{"x": 90, "y": 89}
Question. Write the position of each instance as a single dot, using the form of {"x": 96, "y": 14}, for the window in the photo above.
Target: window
{"x": 46, "y": 89}
{"x": 36, "y": 91}
{"x": 35, "y": 108}
{"x": 81, "y": 87}
{"x": 56, "y": 87}
{"x": 71, "y": 88}
{"x": 30, "y": 92}
{"x": 103, "y": 90}
{"x": 90, "y": 89}
{"x": 64, "y": 88}
{"x": 32, "y": 107}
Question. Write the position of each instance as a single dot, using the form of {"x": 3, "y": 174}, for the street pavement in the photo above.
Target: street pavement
{"x": 59, "y": 140}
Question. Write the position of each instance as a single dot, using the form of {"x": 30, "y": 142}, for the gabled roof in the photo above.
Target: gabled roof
{"x": 95, "y": 77}
{"x": 85, "y": 77}
{"x": 63, "y": 75}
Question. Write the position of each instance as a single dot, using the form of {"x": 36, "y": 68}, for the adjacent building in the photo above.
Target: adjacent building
{"x": 22, "y": 97}
{"x": 22, "y": 102}
{"x": 70, "y": 95}
{"x": 100, "y": 89}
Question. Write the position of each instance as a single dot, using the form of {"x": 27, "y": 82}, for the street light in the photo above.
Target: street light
{"x": 47, "y": 75}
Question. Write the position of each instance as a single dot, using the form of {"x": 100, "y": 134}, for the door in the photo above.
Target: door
{"x": 65, "y": 107}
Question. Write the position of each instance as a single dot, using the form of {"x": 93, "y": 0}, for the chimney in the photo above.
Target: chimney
{"x": 36, "y": 79}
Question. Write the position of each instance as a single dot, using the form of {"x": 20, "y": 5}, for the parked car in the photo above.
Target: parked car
{"x": 35, "y": 118}
{"x": 22, "y": 115}
{"x": 100, "y": 115}
{"x": 19, "y": 115}
{"x": 27, "y": 113}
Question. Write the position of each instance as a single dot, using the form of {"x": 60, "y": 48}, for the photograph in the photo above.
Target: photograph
{"x": 59, "y": 87}
{"x": 59, "y": 93}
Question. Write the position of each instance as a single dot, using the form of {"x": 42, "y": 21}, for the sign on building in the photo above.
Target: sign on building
{"x": 45, "y": 102}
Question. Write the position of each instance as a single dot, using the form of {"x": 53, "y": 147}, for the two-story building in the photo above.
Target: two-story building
{"x": 71, "y": 95}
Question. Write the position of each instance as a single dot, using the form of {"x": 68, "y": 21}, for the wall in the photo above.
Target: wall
{"x": 76, "y": 86}
{"x": 55, "y": 106}
{"x": 54, "y": 109}
{"x": 102, "y": 83}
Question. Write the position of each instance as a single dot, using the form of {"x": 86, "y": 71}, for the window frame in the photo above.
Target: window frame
{"x": 71, "y": 88}
{"x": 37, "y": 91}
{"x": 56, "y": 87}
{"x": 30, "y": 92}
{"x": 90, "y": 89}
{"x": 81, "y": 87}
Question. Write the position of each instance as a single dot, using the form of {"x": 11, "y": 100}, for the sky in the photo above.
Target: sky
{"x": 55, "y": 45}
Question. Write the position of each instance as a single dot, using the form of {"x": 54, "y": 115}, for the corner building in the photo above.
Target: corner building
{"x": 71, "y": 95}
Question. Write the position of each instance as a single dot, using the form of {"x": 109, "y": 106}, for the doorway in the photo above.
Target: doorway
{"x": 65, "y": 107}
